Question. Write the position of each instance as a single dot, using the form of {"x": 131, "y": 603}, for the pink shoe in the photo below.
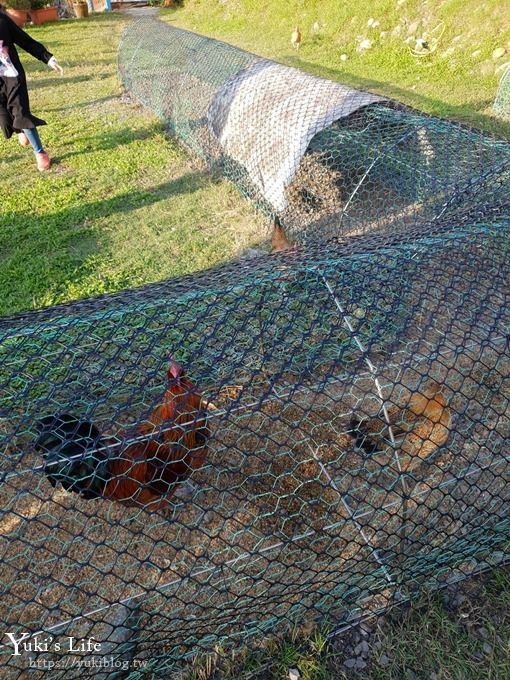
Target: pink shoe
{"x": 43, "y": 161}
{"x": 22, "y": 139}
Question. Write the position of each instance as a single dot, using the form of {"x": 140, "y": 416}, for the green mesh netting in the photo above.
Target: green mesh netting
{"x": 502, "y": 100}
{"x": 325, "y": 159}
{"x": 314, "y": 502}
{"x": 350, "y": 414}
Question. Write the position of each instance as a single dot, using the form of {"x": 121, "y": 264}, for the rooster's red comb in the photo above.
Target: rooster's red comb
{"x": 175, "y": 370}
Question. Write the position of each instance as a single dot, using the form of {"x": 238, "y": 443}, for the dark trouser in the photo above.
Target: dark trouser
{"x": 15, "y": 114}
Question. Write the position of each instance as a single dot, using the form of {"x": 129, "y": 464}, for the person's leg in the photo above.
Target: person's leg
{"x": 22, "y": 139}
{"x": 35, "y": 141}
{"x": 43, "y": 161}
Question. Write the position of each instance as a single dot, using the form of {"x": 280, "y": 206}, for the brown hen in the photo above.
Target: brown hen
{"x": 420, "y": 426}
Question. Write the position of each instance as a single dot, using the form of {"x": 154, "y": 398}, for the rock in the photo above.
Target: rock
{"x": 487, "y": 648}
{"x": 413, "y": 28}
{"x": 360, "y": 664}
{"x": 383, "y": 34}
{"x": 344, "y": 57}
{"x": 365, "y": 45}
{"x": 294, "y": 674}
{"x": 401, "y": 2}
{"x": 396, "y": 31}
{"x": 370, "y": 22}
{"x": 384, "y": 660}
{"x": 362, "y": 649}
{"x": 316, "y": 27}
{"x": 350, "y": 663}
{"x": 498, "y": 53}
{"x": 476, "y": 53}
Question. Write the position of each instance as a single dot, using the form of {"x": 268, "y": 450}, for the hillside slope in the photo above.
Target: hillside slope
{"x": 458, "y": 78}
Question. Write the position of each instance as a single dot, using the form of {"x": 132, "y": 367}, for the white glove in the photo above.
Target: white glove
{"x": 53, "y": 63}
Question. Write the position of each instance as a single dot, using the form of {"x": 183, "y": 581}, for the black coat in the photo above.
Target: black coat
{"x": 14, "y": 105}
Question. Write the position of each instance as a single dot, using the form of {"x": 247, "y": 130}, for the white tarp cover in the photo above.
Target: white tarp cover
{"x": 265, "y": 116}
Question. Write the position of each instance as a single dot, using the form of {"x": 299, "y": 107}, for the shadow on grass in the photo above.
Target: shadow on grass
{"x": 14, "y": 156}
{"x": 72, "y": 218}
{"x": 55, "y": 80}
{"x": 84, "y": 105}
{"x": 52, "y": 250}
{"x": 91, "y": 63}
{"x": 123, "y": 137}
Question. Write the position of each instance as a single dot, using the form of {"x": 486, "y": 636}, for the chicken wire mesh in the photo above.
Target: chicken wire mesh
{"x": 323, "y": 159}
{"x": 502, "y": 100}
{"x": 353, "y": 415}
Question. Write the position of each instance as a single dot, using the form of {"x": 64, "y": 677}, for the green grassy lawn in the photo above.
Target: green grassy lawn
{"x": 122, "y": 205}
{"x": 450, "y": 82}
{"x": 462, "y": 634}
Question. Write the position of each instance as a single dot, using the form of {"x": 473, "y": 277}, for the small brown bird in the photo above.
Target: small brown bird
{"x": 295, "y": 38}
{"x": 279, "y": 240}
{"x": 420, "y": 426}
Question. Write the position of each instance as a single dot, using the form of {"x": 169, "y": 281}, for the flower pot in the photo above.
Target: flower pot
{"x": 43, "y": 15}
{"x": 81, "y": 10}
{"x": 19, "y": 16}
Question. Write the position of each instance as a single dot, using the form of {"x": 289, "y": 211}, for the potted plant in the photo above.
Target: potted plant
{"x": 41, "y": 12}
{"x": 18, "y": 11}
{"x": 81, "y": 9}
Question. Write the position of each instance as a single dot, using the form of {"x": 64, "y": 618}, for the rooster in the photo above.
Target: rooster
{"x": 420, "y": 427}
{"x": 144, "y": 465}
